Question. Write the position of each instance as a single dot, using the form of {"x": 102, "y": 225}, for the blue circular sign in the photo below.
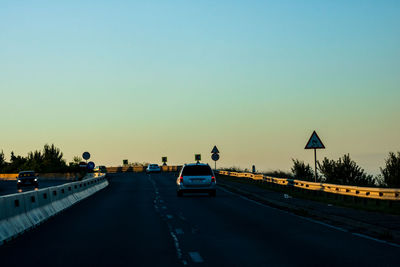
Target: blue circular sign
{"x": 90, "y": 165}
{"x": 86, "y": 155}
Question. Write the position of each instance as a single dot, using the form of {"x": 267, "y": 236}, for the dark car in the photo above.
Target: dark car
{"x": 27, "y": 178}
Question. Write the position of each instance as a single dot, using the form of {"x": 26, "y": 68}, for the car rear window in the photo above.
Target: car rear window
{"x": 196, "y": 170}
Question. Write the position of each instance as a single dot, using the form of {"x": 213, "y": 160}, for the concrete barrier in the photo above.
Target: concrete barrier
{"x": 35, "y": 215}
{"x": 15, "y": 213}
{"x": 22, "y": 211}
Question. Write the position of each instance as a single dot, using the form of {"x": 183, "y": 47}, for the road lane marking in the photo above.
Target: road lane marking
{"x": 312, "y": 220}
{"x": 375, "y": 239}
{"x": 196, "y": 258}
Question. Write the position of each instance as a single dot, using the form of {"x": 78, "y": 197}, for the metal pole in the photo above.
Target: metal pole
{"x": 315, "y": 158}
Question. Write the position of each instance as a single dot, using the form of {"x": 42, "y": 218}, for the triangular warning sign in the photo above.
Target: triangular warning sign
{"x": 314, "y": 142}
{"x": 215, "y": 150}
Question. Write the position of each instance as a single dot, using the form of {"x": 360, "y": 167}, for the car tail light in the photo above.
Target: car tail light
{"x": 213, "y": 179}
{"x": 181, "y": 180}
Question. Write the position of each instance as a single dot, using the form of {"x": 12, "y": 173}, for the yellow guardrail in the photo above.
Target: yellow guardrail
{"x": 356, "y": 191}
{"x": 141, "y": 169}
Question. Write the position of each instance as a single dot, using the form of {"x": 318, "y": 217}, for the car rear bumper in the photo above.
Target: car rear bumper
{"x": 202, "y": 190}
{"x": 208, "y": 188}
{"x": 28, "y": 184}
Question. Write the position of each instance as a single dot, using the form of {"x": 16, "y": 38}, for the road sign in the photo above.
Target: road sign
{"x": 197, "y": 157}
{"x": 86, "y": 155}
{"x": 90, "y": 165}
{"x": 314, "y": 142}
{"x": 215, "y": 157}
{"x": 215, "y": 150}
{"x": 164, "y": 159}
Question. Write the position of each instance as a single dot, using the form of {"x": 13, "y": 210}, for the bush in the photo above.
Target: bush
{"x": 279, "y": 174}
{"x": 345, "y": 171}
{"x": 302, "y": 171}
{"x": 391, "y": 172}
{"x": 232, "y": 169}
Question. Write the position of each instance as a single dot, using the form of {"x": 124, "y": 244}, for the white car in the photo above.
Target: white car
{"x": 153, "y": 168}
{"x": 196, "y": 178}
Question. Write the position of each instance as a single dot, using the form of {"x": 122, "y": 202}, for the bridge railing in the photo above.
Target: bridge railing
{"x": 355, "y": 191}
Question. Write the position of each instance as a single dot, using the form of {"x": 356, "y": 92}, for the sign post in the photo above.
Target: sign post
{"x": 315, "y": 143}
{"x": 164, "y": 160}
{"x": 215, "y": 156}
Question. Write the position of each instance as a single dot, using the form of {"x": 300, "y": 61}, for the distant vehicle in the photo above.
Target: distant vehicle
{"x": 27, "y": 178}
{"x": 153, "y": 168}
{"x": 100, "y": 169}
{"x": 196, "y": 178}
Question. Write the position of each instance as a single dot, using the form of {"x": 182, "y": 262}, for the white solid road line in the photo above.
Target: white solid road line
{"x": 196, "y": 258}
{"x": 312, "y": 220}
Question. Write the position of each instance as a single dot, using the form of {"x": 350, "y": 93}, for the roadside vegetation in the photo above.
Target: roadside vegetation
{"x": 48, "y": 160}
{"x": 343, "y": 171}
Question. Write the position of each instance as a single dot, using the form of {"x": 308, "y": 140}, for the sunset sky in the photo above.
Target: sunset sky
{"x": 139, "y": 80}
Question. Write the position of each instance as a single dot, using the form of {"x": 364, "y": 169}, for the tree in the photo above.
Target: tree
{"x": 302, "y": 171}
{"x": 76, "y": 160}
{"x": 53, "y": 159}
{"x": 391, "y": 172}
{"x": 345, "y": 171}
{"x": 16, "y": 163}
{"x": 34, "y": 161}
{"x": 2, "y": 160}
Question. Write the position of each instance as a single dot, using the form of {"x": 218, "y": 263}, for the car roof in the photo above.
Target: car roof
{"x": 196, "y": 164}
{"x": 25, "y": 172}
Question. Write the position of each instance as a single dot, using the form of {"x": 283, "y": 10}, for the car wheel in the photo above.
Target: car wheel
{"x": 213, "y": 193}
{"x": 179, "y": 193}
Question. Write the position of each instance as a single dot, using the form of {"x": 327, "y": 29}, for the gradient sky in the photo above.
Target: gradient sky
{"x": 141, "y": 80}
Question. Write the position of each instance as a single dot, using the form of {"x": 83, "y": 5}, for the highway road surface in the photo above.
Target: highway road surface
{"x": 139, "y": 221}
{"x": 10, "y": 187}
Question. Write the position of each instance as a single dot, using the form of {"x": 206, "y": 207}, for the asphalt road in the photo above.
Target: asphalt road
{"x": 139, "y": 221}
{"x": 10, "y": 187}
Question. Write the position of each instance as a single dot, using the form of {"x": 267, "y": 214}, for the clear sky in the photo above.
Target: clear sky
{"x": 141, "y": 80}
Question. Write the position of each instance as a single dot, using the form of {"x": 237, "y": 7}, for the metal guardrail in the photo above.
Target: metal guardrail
{"x": 355, "y": 191}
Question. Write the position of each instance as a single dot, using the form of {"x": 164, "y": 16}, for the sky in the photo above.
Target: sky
{"x": 139, "y": 80}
